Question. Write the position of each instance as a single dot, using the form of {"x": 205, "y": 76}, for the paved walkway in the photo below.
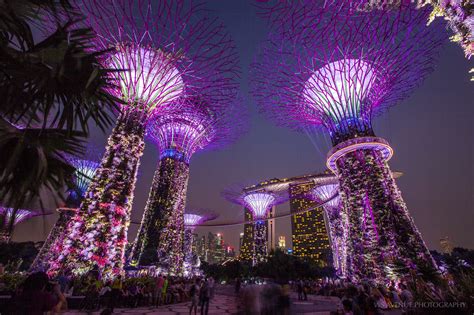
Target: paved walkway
{"x": 220, "y": 304}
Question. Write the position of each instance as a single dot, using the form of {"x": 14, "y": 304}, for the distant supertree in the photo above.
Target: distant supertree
{"x": 335, "y": 67}
{"x": 259, "y": 202}
{"x": 196, "y": 125}
{"x": 192, "y": 219}
{"x": 338, "y": 223}
{"x": 85, "y": 171}
{"x": 162, "y": 50}
{"x": 9, "y": 218}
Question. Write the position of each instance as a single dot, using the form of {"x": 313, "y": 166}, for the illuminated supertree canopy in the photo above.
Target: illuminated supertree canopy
{"x": 327, "y": 194}
{"x": 192, "y": 220}
{"x": 85, "y": 171}
{"x": 327, "y": 64}
{"x": 342, "y": 66}
{"x": 259, "y": 202}
{"x": 196, "y": 125}
{"x": 10, "y": 217}
{"x": 162, "y": 51}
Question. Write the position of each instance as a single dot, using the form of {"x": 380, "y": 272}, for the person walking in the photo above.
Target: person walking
{"x": 238, "y": 283}
{"x": 300, "y": 290}
{"x": 116, "y": 293}
{"x": 204, "y": 296}
{"x": 157, "y": 290}
{"x": 194, "y": 295}
{"x": 212, "y": 284}
{"x": 164, "y": 290}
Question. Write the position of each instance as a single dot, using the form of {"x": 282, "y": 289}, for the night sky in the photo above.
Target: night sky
{"x": 431, "y": 132}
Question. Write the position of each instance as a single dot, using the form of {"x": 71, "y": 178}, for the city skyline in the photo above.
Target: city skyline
{"x": 269, "y": 152}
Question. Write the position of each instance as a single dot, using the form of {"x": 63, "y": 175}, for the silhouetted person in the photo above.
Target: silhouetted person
{"x": 204, "y": 296}
{"x": 38, "y": 296}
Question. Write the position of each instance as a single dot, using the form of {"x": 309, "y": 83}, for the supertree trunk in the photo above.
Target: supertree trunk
{"x": 381, "y": 231}
{"x": 188, "y": 251}
{"x": 338, "y": 225}
{"x": 97, "y": 234}
{"x": 161, "y": 236}
{"x": 260, "y": 242}
{"x": 55, "y": 237}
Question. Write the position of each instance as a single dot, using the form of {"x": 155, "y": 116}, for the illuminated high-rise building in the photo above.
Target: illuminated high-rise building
{"x": 241, "y": 240}
{"x": 271, "y": 238}
{"x": 309, "y": 233}
{"x": 282, "y": 242}
{"x": 446, "y": 245}
{"x": 247, "y": 240}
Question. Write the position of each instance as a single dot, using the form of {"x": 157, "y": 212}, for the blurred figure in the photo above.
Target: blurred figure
{"x": 38, "y": 296}
{"x": 238, "y": 283}
{"x": 204, "y": 296}
{"x": 157, "y": 290}
{"x": 299, "y": 288}
{"x": 379, "y": 299}
{"x": 194, "y": 295}
{"x": 115, "y": 293}
{"x": 212, "y": 284}
{"x": 284, "y": 301}
{"x": 406, "y": 296}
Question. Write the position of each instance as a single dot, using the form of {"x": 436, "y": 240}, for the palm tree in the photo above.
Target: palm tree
{"x": 51, "y": 88}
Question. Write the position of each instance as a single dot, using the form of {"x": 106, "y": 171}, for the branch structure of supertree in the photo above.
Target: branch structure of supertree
{"x": 259, "y": 202}
{"x": 196, "y": 125}
{"x": 458, "y": 14}
{"x": 10, "y": 217}
{"x": 331, "y": 66}
{"x": 161, "y": 51}
{"x": 85, "y": 171}
{"x": 192, "y": 219}
{"x": 337, "y": 221}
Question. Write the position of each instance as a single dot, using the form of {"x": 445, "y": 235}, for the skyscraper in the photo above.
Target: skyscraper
{"x": 309, "y": 233}
{"x": 271, "y": 238}
{"x": 247, "y": 242}
{"x": 282, "y": 242}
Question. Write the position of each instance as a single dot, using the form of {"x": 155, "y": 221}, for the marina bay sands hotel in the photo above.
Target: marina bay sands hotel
{"x": 310, "y": 235}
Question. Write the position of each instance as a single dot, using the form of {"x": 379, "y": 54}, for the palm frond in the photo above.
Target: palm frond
{"x": 33, "y": 160}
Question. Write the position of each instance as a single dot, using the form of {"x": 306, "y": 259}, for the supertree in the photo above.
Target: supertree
{"x": 332, "y": 66}
{"x": 161, "y": 51}
{"x": 196, "y": 125}
{"x": 85, "y": 171}
{"x": 259, "y": 202}
{"x": 10, "y": 217}
{"x": 192, "y": 219}
{"x": 337, "y": 221}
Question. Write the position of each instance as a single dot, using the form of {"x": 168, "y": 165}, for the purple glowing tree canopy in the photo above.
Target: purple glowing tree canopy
{"x": 259, "y": 202}
{"x": 14, "y": 217}
{"x": 85, "y": 171}
{"x": 196, "y": 125}
{"x": 162, "y": 51}
{"x": 326, "y": 194}
{"x": 194, "y": 218}
{"x": 330, "y": 65}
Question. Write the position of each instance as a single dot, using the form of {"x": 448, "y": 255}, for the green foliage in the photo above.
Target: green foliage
{"x": 12, "y": 280}
{"x": 279, "y": 266}
{"x": 17, "y": 256}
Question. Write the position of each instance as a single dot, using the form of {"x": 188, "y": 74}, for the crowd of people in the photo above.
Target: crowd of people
{"x": 38, "y": 293}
